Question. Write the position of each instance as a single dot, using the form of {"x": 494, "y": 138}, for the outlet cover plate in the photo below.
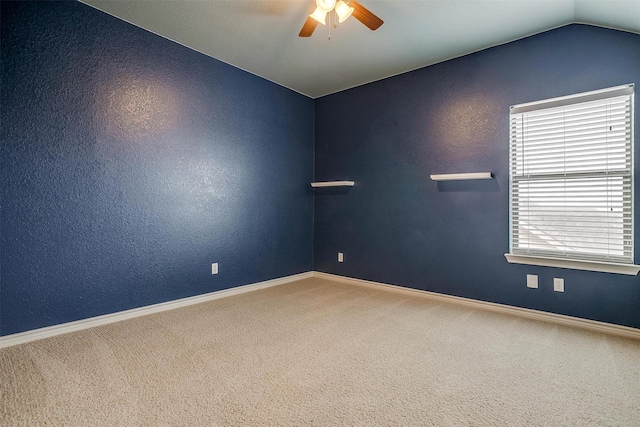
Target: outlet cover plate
{"x": 558, "y": 284}
{"x": 532, "y": 281}
{"x": 214, "y": 268}
{"x": 340, "y": 257}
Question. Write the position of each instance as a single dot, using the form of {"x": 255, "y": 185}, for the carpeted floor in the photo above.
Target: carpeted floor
{"x": 316, "y": 352}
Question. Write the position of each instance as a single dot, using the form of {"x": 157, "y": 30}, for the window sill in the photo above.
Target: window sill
{"x": 605, "y": 267}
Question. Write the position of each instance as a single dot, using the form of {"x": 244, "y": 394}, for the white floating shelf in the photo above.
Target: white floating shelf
{"x": 461, "y": 176}
{"x": 333, "y": 184}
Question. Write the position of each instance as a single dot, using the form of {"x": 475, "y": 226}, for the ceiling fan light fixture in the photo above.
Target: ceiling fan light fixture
{"x": 319, "y": 15}
{"x": 343, "y": 11}
{"x": 325, "y": 5}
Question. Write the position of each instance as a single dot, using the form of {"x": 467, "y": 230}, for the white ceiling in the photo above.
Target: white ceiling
{"x": 261, "y": 36}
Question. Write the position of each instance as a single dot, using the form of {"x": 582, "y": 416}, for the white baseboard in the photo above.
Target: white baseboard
{"x": 526, "y": 313}
{"x": 50, "y": 331}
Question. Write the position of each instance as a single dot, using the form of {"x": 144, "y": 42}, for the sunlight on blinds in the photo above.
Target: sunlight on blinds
{"x": 571, "y": 177}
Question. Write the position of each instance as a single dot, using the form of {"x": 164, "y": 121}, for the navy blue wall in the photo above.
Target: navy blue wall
{"x": 131, "y": 163}
{"x": 397, "y": 226}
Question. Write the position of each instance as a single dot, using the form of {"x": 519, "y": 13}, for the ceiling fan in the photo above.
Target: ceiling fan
{"x": 343, "y": 9}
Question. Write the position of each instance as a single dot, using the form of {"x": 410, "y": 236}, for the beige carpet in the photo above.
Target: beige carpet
{"x": 322, "y": 353}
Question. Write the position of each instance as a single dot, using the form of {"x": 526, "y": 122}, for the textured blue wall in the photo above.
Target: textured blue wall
{"x": 397, "y": 226}
{"x": 131, "y": 163}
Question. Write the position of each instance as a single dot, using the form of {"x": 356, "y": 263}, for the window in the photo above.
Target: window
{"x": 571, "y": 181}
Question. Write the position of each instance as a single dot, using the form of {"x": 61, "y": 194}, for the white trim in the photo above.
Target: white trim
{"x": 461, "y": 176}
{"x": 592, "y": 325}
{"x": 50, "y": 331}
{"x": 560, "y": 101}
{"x": 604, "y": 267}
{"x": 333, "y": 184}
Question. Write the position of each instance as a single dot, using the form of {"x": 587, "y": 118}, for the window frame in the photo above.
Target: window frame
{"x": 601, "y": 265}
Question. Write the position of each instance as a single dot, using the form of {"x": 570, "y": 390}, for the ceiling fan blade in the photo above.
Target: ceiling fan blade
{"x": 308, "y": 28}
{"x": 363, "y": 15}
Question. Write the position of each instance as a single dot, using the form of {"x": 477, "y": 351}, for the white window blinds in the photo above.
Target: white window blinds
{"x": 571, "y": 166}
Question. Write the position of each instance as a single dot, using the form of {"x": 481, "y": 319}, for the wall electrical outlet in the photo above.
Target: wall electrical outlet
{"x": 340, "y": 257}
{"x": 558, "y": 284}
{"x": 214, "y": 268}
{"x": 532, "y": 281}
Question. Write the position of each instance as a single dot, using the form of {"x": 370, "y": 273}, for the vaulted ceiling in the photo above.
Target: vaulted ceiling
{"x": 261, "y": 36}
